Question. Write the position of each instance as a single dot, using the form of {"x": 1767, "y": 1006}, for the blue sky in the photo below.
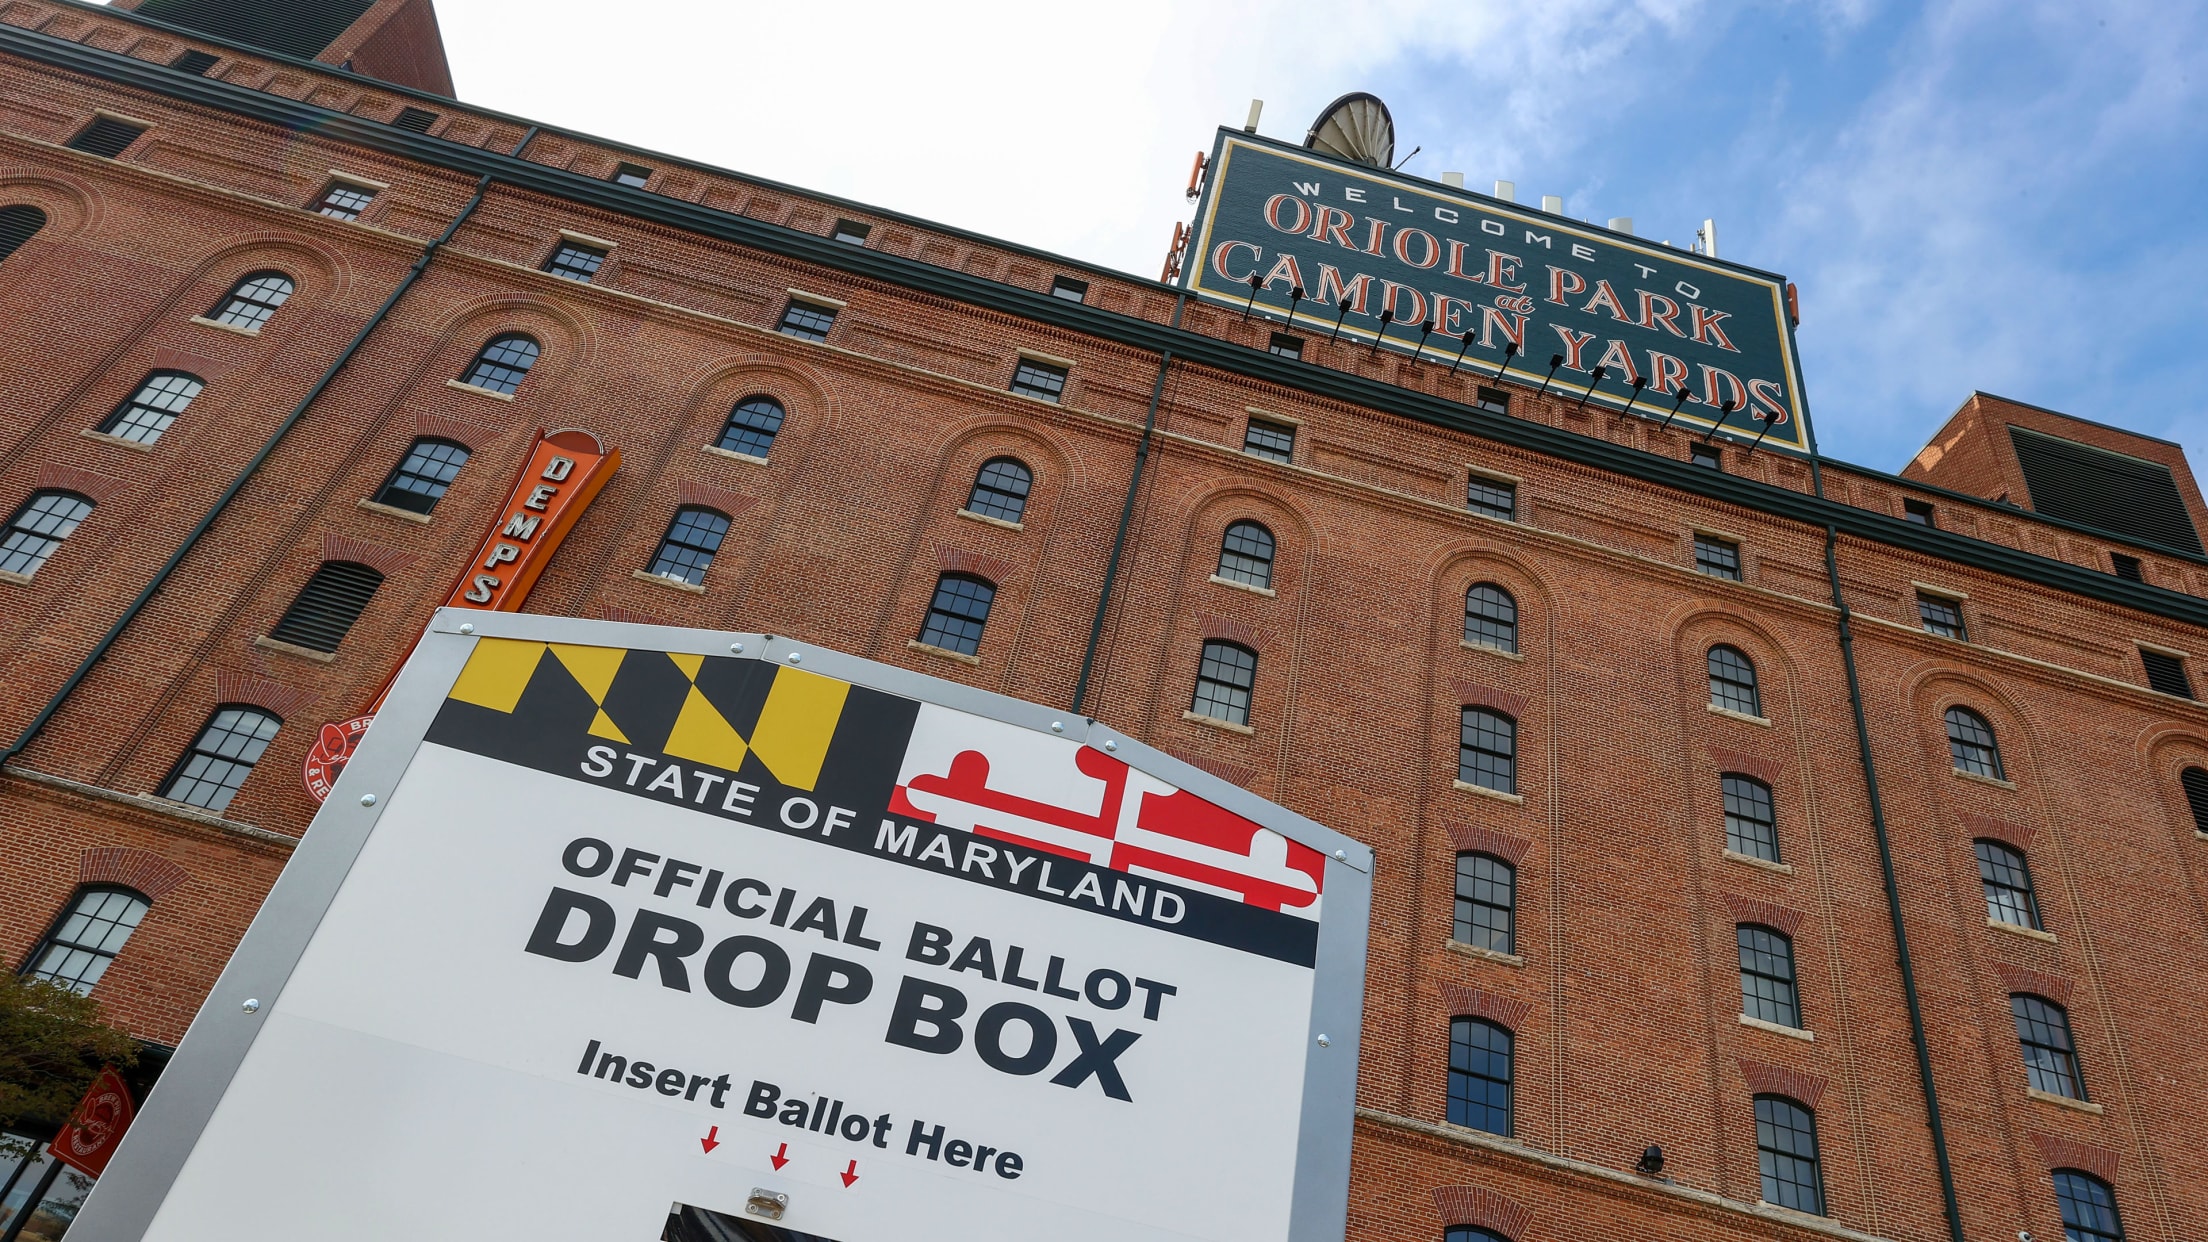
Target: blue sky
{"x": 1989, "y": 194}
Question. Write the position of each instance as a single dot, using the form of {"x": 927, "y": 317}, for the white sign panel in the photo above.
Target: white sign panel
{"x": 632, "y": 932}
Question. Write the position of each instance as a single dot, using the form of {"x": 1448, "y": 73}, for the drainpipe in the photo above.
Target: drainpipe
{"x": 161, "y": 576}
{"x": 1126, "y": 515}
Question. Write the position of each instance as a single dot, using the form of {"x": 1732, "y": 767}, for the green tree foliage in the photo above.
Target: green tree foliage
{"x": 52, "y": 1043}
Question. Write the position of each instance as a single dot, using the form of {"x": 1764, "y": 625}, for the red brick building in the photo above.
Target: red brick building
{"x": 1758, "y": 813}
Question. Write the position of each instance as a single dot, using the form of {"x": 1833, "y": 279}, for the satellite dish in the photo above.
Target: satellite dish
{"x": 1356, "y": 128}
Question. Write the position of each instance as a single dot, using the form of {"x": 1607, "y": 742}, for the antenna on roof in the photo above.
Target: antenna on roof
{"x": 1356, "y": 128}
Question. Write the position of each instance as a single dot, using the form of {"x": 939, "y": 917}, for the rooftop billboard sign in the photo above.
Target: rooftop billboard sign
{"x": 609, "y": 930}
{"x": 1444, "y": 274}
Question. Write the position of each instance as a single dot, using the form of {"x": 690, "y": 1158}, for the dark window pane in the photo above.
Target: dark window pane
{"x": 2007, "y": 881}
{"x": 87, "y": 937}
{"x": 1471, "y": 1233}
{"x": 328, "y": 605}
{"x": 1970, "y": 741}
{"x": 1039, "y": 379}
{"x": 1487, "y": 903}
{"x": 576, "y": 261}
{"x": 194, "y": 62}
{"x": 1733, "y": 682}
{"x": 18, "y": 223}
{"x": 254, "y": 301}
{"x": 2166, "y": 673}
{"x": 152, "y": 409}
{"x": 2088, "y": 1208}
{"x": 1246, "y": 555}
{"x": 417, "y": 119}
{"x": 1920, "y": 512}
{"x": 106, "y": 136}
{"x": 2195, "y": 783}
{"x": 1786, "y": 1148}
{"x": 1941, "y": 616}
{"x": 1707, "y": 455}
{"x": 503, "y": 363}
{"x": 852, "y": 232}
{"x": 422, "y": 477}
{"x": 1000, "y": 490}
{"x": 632, "y": 175}
{"x": 692, "y": 539}
{"x": 752, "y": 426}
{"x": 1224, "y": 681}
{"x": 1767, "y": 976}
{"x": 1487, "y": 750}
{"x": 343, "y": 201}
{"x": 958, "y": 613}
{"x": 1271, "y": 441}
{"x": 1717, "y": 558}
{"x": 1480, "y": 1072}
{"x": 2050, "y": 1059}
{"x": 221, "y": 757}
{"x": 1286, "y": 346}
{"x": 1751, "y": 826}
{"x": 38, "y": 528}
{"x": 1070, "y": 289}
{"x": 1492, "y": 497}
{"x": 1493, "y": 399}
{"x": 1491, "y": 617}
{"x": 806, "y": 321}
{"x": 2126, "y": 566}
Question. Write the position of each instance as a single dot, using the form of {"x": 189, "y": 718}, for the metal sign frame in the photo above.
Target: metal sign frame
{"x": 147, "y": 1165}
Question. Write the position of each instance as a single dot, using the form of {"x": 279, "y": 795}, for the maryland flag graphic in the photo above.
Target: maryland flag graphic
{"x": 915, "y": 784}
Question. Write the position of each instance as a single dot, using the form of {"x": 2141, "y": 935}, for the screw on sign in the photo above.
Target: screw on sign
{"x": 97, "y": 1125}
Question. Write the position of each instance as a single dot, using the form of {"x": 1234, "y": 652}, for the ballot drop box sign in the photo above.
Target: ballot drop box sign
{"x": 612, "y": 927}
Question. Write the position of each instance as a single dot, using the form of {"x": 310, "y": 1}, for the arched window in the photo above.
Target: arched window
{"x": 1246, "y": 555}
{"x": 2194, "y": 782}
{"x": 1970, "y": 741}
{"x": 1000, "y": 490}
{"x": 1487, "y": 750}
{"x": 2088, "y": 1208}
{"x": 752, "y": 426}
{"x": 18, "y": 222}
{"x": 221, "y": 757}
{"x": 2050, "y": 1057}
{"x": 1786, "y": 1148}
{"x": 692, "y": 539}
{"x": 38, "y": 528}
{"x": 1223, "y": 683}
{"x": 1751, "y": 826}
{"x": 2007, "y": 879}
{"x": 1487, "y": 903}
{"x": 1466, "y": 1233}
{"x": 1733, "y": 682}
{"x": 87, "y": 936}
{"x": 958, "y": 613}
{"x": 505, "y": 360}
{"x": 254, "y": 300}
{"x": 157, "y": 403}
{"x": 1767, "y": 976}
{"x": 1480, "y": 1055}
{"x": 422, "y": 476}
{"x": 328, "y": 605}
{"x": 1491, "y": 617}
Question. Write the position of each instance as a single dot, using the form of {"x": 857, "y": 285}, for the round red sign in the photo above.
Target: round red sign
{"x": 332, "y": 748}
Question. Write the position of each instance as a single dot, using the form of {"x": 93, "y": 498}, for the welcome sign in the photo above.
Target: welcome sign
{"x": 1444, "y": 274}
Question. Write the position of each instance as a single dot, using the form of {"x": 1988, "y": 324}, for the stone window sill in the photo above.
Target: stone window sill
{"x": 1032, "y": 396}
{"x": 1484, "y": 792}
{"x": 406, "y": 515}
{"x": 1267, "y": 592}
{"x": 480, "y": 391}
{"x": 1765, "y": 863}
{"x": 1217, "y": 723}
{"x": 2063, "y": 1101}
{"x": 204, "y": 322}
{"x": 1742, "y": 717}
{"x": 673, "y": 584}
{"x": 119, "y": 442}
{"x": 2014, "y": 930}
{"x": 945, "y": 652}
{"x": 1791, "y": 1032}
{"x": 1994, "y": 781}
{"x": 732, "y": 454}
{"x": 18, "y": 579}
{"x": 1490, "y": 649}
{"x": 1485, "y": 955}
{"x": 265, "y": 643}
{"x": 985, "y": 519}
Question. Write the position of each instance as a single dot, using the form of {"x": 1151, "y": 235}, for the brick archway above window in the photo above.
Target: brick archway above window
{"x": 1749, "y": 910}
{"x": 1466, "y": 1002}
{"x": 1211, "y": 625}
{"x": 1473, "y": 694}
{"x": 631, "y": 615}
{"x": 386, "y": 561}
{"x": 1778, "y": 1080}
{"x": 1482, "y": 1208}
{"x": 2064, "y": 1153}
{"x": 692, "y": 492}
{"x": 2018, "y": 835}
{"x": 2017, "y": 979}
{"x": 1469, "y": 839}
{"x": 1765, "y": 770}
{"x": 444, "y": 427}
{"x": 198, "y": 364}
{"x": 960, "y": 561}
{"x": 70, "y": 479}
{"x": 150, "y": 874}
{"x": 237, "y": 686}
{"x": 1232, "y": 773}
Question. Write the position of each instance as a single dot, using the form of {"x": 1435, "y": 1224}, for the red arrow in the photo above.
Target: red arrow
{"x": 850, "y": 1175}
{"x": 711, "y": 1140}
{"x": 781, "y": 1156}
